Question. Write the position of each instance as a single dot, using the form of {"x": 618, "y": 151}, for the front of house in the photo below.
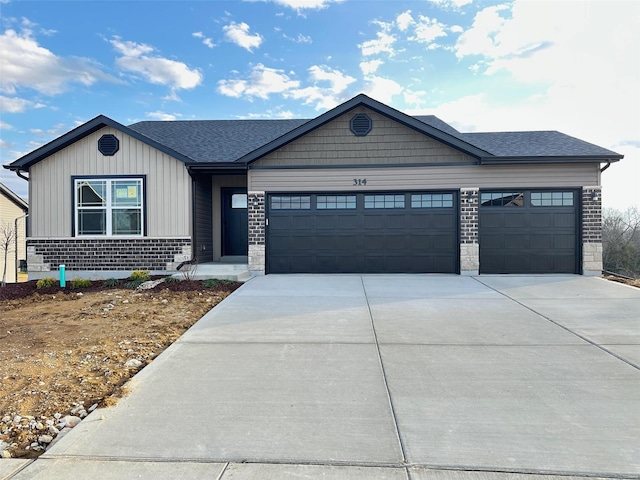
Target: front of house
{"x": 362, "y": 188}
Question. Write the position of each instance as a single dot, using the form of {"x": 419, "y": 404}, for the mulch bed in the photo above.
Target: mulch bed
{"x": 13, "y": 291}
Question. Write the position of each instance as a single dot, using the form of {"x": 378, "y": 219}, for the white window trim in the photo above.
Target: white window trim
{"x": 108, "y": 207}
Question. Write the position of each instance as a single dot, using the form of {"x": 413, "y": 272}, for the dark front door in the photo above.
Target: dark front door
{"x": 235, "y": 226}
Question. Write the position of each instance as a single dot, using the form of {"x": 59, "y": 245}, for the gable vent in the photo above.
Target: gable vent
{"x": 360, "y": 125}
{"x": 108, "y": 145}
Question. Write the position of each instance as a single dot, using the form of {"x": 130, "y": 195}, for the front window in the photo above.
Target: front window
{"x": 109, "y": 207}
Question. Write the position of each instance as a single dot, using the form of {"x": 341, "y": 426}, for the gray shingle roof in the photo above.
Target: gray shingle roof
{"x": 533, "y": 144}
{"x": 215, "y": 140}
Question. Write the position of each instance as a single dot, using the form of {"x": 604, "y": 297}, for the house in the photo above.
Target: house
{"x": 13, "y": 211}
{"x": 360, "y": 188}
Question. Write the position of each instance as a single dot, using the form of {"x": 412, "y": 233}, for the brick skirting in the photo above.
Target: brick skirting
{"x": 106, "y": 254}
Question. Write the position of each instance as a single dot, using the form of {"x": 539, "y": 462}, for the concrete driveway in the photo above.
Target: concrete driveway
{"x": 381, "y": 377}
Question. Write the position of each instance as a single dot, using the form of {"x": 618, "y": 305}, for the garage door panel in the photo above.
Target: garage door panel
{"x": 385, "y": 237}
{"x": 515, "y": 220}
{"x": 531, "y": 237}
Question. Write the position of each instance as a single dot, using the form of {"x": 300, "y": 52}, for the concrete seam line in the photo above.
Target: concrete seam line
{"x": 224, "y": 469}
{"x": 384, "y": 377}
{"x": 20, "y": 469}
{"x": 591, "y": 342}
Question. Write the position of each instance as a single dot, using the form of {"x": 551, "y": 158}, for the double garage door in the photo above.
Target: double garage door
{"x": 399, "y": 232}
{"x": 520, "y": 231}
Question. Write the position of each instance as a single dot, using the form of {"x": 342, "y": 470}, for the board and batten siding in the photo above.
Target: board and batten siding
{"x": 9, "y": 212}
{"x": 423, "y": 178}
{"x": 168, "y": 186}
{"x": 388, "y": 143}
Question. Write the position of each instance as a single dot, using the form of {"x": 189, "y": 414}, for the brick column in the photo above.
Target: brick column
{"x": 469, "y": 248}
{"x": 257, "y": 232}
{"x": 592, "y": 230}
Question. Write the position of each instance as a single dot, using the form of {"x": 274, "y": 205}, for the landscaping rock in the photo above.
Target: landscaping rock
{"x": 133, "y": 363}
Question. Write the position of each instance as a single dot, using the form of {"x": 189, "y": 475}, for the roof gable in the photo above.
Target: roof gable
{"x": 363, "y": 100}
{"x": 18, "y": 201}
{"x": 101, "y": 121}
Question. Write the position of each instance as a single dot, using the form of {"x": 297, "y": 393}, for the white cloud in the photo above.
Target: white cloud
{"x": 158, "y": 115}
{"x": 5, "y": 126}
{"x": 415, "y": 99}
{"x": 383, "y": 43}
{"x": 205, "y": 40}
{"x": 262, "y": 82}
{"x": 271, "y": 113}
{"x": 238, "y": 33}
{"x": 454, "y": 4}
{"x": 4, "y": 145}
{"x": 427, "y": 30}
{"x": 299, "y": 5}
{"x": 382, "y": 89}
{"x": 139, "y": 58}
{"x": 299, "y": 39}
{"x": 370, "y": 67}
{"x": 323, "y": 96}
{"x": 26, "y": 64}
{"x": 404, "y": 20}
{"x": 17, "y": 105}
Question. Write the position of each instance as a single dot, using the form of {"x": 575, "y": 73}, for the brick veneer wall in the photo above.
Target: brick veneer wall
{"x": 591, "y": 215}
{"x": 592, "y": 230}
{"x": 105, "y": 254}
{"x": 257, "y": 231}
{"x": 469, "y": 248}
{"x": 469, "y": 215}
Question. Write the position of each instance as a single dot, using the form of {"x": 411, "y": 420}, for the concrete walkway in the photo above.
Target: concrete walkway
{"x": 381, "y": 377}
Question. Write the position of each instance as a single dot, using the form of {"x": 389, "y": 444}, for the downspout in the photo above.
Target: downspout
{"x": 606, "y": 166}
{"x": 16, "y": 233}
{"x": 22, "y": 176}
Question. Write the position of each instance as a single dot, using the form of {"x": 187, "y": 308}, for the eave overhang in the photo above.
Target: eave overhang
{"x": 514, "y": 160}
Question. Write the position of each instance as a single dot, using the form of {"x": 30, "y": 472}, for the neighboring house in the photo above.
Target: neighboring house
{"x": 13, "y": 211}
{"x": 361, "y": 188}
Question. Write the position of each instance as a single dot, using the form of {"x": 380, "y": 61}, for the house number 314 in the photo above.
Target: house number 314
{"x": 360, "y": 181}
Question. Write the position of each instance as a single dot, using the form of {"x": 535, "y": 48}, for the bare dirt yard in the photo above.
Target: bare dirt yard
{"x": 65, "y": 352}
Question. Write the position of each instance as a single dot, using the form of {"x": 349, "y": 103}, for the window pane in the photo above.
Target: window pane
{"x": 432, "y": 200}
{"x": 502, "y": 199}
{"x": 239, "y": 200}
{"x": 126, "y": 193}
{"x": 92, "y": 222}
{"x": 92, "y": 193}
{"x": 552, "y": 199}
{"x": 325, "y": 202}
{"x": 126, "y": 222}
{"x": 291, "y": 202}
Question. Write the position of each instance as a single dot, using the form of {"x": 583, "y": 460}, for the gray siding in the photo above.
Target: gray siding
{"x": 203, "y": 229}
{"x": 388, "y": 143}
{"x": 168, "y": 186}
{"x": 429, "y": 177}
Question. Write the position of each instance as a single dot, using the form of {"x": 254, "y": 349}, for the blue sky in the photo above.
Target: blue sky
{"x": 567, "y": 65}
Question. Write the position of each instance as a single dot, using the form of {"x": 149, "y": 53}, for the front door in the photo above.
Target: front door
{"x": 235, "y": 223}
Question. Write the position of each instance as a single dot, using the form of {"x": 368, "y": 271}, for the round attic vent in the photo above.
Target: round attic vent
{"x": 360, "y": 125}
{"x": 108, "y": 145}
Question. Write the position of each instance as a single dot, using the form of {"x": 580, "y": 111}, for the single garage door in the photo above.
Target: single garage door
{"x": 532, "y": 231}
{"x": 406, "y": 232}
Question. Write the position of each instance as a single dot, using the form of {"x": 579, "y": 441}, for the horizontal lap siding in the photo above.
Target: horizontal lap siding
{"x": 430, "y": 177}
{"x": 168, "y": 186}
